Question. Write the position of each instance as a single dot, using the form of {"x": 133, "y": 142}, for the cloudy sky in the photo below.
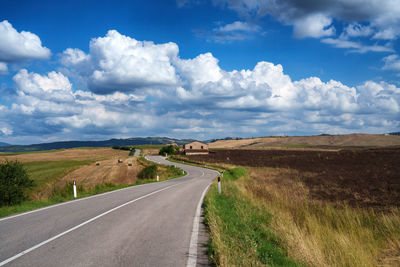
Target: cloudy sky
{"x": 93, "y": 70}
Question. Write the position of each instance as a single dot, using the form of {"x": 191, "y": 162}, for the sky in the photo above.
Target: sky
{"x": 202, "y": 69}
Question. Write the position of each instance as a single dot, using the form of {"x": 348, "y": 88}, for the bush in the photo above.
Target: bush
{"x": 116, "y": 147}
{"x": 14, "y": 181}
{"x": 170, "y": 150}
{"x": 132, "y": 152}
{"x": 148, "y": 172}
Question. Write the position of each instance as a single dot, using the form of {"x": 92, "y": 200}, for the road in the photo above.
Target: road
{"x": 137, "y": 152}
{"x": 146, "y": 225}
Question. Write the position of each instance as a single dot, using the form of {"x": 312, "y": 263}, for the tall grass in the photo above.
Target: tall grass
{"x": 240, "y": 230}
{"x": 321, "y": 233}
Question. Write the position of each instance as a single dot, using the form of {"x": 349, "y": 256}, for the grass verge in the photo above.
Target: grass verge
{"x": 240, "y": 229}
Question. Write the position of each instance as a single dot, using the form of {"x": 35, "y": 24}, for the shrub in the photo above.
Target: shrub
{"x": 148, "y": 172}
{"x": 116, "y": 147}
{"x": 125, "y": 148}
{"x": 170, "y": 150}
{"x": 132, "y": 152}
{"x": 14, "y": 181}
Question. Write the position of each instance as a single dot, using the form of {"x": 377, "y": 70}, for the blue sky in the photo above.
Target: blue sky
{"x": 91, "y": 70}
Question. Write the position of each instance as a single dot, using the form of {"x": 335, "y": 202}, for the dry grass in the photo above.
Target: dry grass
{"x": 67, "y": 154}
{"x": 319, "y": 233}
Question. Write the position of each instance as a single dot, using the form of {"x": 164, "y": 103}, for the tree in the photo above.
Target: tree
{"x": 170, "y": 150}
{"x": 14, "y": 181}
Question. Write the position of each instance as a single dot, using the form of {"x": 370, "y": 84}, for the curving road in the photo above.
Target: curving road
{"x": 148, "y": 225}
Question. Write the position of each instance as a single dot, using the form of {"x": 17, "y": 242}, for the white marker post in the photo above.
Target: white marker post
{"x": 219, "y": 185}
{"x": 158, "y": 178}
{"x": 74, "y": 189}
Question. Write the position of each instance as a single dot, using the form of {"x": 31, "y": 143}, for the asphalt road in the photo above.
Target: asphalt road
{"x": 146, "y": 225}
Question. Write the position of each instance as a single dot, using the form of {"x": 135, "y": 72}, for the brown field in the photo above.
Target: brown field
{"x": 67, "y": 154}
{"x": 307, "y": 142}
{"x": 359, "y": 178}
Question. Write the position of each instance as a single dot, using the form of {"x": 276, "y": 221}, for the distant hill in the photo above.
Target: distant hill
{"x": 4, "y": 144}
{"x": 106, "y": 143}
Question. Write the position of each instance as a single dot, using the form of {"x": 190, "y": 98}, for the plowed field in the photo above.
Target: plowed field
{"x": 365, "y": 178}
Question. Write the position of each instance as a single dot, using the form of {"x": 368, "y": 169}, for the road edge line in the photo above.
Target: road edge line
{"x": 192, "y": 257}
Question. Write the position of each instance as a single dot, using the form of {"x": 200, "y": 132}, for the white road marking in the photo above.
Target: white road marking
{"x": 80, "y": 225}
{"x": 73, "y": 201}
{"x": 192, "y": 260}
{"x": 202, "y": 174}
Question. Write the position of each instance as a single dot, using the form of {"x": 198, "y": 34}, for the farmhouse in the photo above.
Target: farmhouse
{"x": 195, "y": 148}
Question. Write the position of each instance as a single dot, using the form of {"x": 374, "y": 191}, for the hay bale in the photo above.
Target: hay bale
{"x": 129, "y": 163}
{"x": 119, "y": 161}
{"x": 97, "y": 163}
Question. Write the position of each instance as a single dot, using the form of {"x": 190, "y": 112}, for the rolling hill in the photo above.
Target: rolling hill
{"x": 105, "y": 143}
{"x": 322, "y": 141}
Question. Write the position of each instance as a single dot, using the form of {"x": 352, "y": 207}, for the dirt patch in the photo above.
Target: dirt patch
{"x": 364, "y": 178}
{"x": 68, "y": 154}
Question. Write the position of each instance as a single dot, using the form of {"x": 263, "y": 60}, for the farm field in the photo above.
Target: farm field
{"x": 333, "y": 142}
{"x": 328, "y": 208}
{"x": 365, "y": 178}
{"x": 54, "y": 171}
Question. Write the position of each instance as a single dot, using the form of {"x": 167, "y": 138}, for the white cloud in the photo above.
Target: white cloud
{"x": 3, "y": 68}
{"x": 386, "y": 34}
{"x": 358, "y": 30}
{"x": 71, "y": 57}
{"x": 313, "y": 18}
{"x": 392, "y": 62}
{"x": 54, "y": 86}
{"x": 121, "y": 63}
{"x": 315, "y": 25}
{"x": 200, "y": 70}
{"x": 239, "y": 26}
{"x": 5, "y": 131}
{"x": 19, "y": 46}
{"x": 202, "y": 99}
{"x": 356, "y": 47}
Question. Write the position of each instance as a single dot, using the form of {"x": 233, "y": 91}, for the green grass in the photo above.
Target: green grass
{"x": 43, "y": 172}
{"x": 240, "y": 232}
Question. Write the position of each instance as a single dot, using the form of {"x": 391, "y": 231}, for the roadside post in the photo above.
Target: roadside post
{"x": 219, "y": 184}
{"x": 158, "y": 178}
{"x": 74, "y": 189}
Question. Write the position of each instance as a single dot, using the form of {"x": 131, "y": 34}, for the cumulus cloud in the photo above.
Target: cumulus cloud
{"x": 201, "y": 100}
{"x": 18, "y": 46}
{"x": 118, "y": 62}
